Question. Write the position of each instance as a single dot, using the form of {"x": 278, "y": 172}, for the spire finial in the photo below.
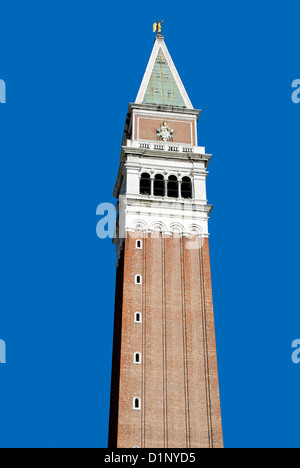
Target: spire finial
{"x": 157, "y": 26}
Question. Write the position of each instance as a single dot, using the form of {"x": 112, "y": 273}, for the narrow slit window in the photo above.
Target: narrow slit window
{"x": 137, "y": 358}
{"x": 139, "y": 244}
{"x": 138, "y": 317}
{"x": 137, "y": 404}
{"x": 138, "y": 279}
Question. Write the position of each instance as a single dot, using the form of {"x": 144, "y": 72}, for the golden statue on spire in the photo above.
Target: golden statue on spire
{"x": 157, "y": 26}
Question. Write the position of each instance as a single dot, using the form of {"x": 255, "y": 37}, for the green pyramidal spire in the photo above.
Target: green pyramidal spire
{"x": 162, "y": 84}
{"x": 162, "y": 88}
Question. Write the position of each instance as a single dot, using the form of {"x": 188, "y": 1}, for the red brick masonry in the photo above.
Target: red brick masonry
{"x": 184, "y": 131}
{"x": 177, "y": 380}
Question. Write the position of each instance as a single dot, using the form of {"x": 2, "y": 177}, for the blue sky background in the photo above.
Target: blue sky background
{"x": 71, "y": 68}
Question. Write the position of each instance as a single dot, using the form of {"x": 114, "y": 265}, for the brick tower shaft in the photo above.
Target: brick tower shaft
{"x": 165, "y": 390}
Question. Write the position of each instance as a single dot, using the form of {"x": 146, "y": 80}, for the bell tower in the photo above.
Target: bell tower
{"x": 165, "y": 390}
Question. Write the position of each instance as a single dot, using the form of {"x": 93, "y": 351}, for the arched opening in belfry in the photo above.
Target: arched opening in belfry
{"x": 173, "y": 187}
{"x": 159, "y": 185}
{"x": 186, "y": 188}
{"x": 145, "y": 184}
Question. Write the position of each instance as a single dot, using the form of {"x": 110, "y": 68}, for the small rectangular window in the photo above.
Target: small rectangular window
{"x": 137, "y": 358}
{"x": 138, "y": 317}
{"x": 137, "y": 404}
{"x": 138, "y": 279}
